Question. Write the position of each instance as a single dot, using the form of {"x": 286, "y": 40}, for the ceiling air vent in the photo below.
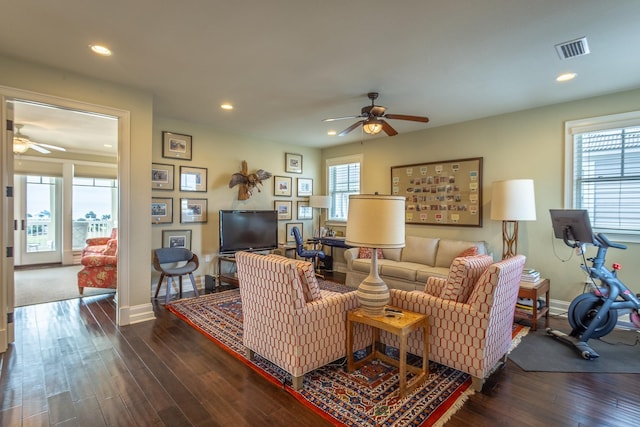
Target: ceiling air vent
{"x": 573, "y": 48}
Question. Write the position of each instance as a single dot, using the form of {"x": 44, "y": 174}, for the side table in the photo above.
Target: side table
{"x": 534, "y": 291}
{"x": 401, "y": 323}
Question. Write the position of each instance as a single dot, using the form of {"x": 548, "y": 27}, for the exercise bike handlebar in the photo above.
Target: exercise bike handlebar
{"x": 604, "y": 241}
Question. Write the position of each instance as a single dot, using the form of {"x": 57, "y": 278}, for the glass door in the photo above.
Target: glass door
{"x": 37, "y": 211}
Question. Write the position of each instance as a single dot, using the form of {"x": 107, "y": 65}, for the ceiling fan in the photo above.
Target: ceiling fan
{"x": 22, "y": 143}
{"x": 372, "y": 119}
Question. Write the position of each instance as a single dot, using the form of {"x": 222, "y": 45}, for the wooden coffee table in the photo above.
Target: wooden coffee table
{"x": 401, "y": 324}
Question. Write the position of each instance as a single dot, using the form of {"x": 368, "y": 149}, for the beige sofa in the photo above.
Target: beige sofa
{"x": 409, "y": 268}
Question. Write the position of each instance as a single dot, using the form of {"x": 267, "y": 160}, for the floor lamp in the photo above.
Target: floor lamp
{"x": 375, "y": 222}
{"x": 512, "y": 201}
{"x": 320, "y": 202}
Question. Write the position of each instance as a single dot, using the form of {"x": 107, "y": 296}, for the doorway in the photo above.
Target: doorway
{"x": 75, "y": 198}
{"x": 38, "y": 210}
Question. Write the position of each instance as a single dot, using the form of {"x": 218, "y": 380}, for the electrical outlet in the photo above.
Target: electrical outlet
{"x": 207, "y": 258}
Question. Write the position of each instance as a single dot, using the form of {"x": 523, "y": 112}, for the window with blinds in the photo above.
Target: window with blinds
{"x": 606, "y": 178}
{"x": 343, "y": 180}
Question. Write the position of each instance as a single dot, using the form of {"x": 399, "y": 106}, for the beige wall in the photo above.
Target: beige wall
{"x": 68, "y": 86}
{"x": 222, "y": 154}
{"x": 219, "y": 152}
{"x": 526, "y": 144}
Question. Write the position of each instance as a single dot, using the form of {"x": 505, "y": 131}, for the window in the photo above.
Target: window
{"x": 343, "y": 176}
{"x": 603, "y": 167}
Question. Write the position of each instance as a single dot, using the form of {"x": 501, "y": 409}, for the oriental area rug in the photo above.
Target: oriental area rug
{"x": 366, "y": 397}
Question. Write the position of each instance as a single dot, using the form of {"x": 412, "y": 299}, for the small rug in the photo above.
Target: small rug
{"x": 42, "y": 285}
{"x": 367, "y": 396}
{"x": 619, "y": 353}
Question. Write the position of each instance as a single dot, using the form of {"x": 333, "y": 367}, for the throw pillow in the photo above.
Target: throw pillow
{"x": 307, "y": 274}
{"x": 472, "y": 251}
{"x": 366, "y": 253}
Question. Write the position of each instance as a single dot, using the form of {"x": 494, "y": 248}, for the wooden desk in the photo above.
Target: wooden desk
{"x": 401, "y": 325}
{"x": 534, "y": 291}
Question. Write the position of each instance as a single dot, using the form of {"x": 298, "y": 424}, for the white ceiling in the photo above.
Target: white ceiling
{"x": 288, "y": 64}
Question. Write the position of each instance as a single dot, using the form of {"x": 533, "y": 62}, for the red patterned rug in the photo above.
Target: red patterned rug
{"x": 367, "y": 396}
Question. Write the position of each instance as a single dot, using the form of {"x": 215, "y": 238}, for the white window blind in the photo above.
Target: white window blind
{"x": 343, "y": 180}
{"x": 606, "y": 178}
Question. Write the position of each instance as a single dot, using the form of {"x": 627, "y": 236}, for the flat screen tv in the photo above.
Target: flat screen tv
{"x": 248, "y": 230}
{"x": 574, "y": 224}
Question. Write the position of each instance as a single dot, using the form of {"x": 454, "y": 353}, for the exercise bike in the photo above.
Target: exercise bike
{"x": 592, "y": 314}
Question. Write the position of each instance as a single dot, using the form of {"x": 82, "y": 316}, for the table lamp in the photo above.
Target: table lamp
{"x": 376, "y": 222}
{"x": 512, "y": 201}
{"x": 320, "y": 202}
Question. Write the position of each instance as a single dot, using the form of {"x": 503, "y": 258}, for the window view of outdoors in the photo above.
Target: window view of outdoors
{"x": 94, "y": 204}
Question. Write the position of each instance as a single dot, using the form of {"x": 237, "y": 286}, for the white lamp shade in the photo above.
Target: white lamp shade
{"x": 375, "y": 221}
{"x": 321, "y": 202}
{"x": 513, "y": 200}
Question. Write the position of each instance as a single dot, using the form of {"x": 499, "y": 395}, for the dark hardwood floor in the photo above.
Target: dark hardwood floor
{"x": 72, "y": 366}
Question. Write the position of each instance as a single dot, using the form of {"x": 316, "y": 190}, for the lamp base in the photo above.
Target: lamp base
{"x": 373, "y": 295}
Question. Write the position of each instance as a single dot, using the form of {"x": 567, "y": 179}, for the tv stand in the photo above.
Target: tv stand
{"x": 229, "y": 278}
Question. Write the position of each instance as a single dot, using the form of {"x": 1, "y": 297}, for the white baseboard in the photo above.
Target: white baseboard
{"x": 136, "y": 314}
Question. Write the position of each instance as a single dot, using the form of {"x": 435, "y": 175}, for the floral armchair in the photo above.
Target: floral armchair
{"x": 98, "y": 245}
{"x": 100, "y": 269}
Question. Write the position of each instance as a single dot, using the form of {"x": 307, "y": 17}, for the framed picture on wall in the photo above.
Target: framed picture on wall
{"x": 305, "y": 187}
{"x": 304, "y": 210}
{"x": 193, "y": 179}
{"x": 176, "y": 239}
{"x": 290, "y": 237}
{"x": 162, "y": 210}
{"x": 284, "y": 209}
{"x": 161, "y": 176}
{"x": 193, "y": 210}
{"x": 282, "y": 185}
{"x": 293, "y": 163}
{"x": 176, "y": 146}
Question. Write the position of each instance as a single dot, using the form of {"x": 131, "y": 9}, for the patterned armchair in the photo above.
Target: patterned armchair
{"x": 98, "y": 245}
{"x": 100, "y": 269}
{"x": 472, "y": 334}
{"x": 288, "y": 320}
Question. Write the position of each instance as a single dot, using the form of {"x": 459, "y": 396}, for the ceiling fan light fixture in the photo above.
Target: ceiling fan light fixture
{"x": 20, "y": 145}
{"x": 372, "y": 126}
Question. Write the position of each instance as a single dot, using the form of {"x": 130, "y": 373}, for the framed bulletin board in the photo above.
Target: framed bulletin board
{"x": 441, "y": 193}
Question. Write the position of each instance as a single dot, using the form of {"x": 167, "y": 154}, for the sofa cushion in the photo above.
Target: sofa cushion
{"x": 400, "y": 270}
{"x": 424, "y": 272}
{"x": 421, "y": 250}
{"x": 450, "y": 249}
{"x": 392, "y": 254}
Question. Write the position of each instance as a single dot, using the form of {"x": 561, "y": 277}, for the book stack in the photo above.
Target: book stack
{"x": 530, "y": 275}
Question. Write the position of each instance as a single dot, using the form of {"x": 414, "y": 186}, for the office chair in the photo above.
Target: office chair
{"x": 313, "y": 255}
{"x": 182, "y": 261}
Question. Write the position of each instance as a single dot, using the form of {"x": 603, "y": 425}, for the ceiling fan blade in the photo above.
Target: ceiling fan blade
{"x": 52, "y": 147}
{"x": 406, "y": 117}
{"x": 40, "y": 149}
{"x": 386, "y": 127}
{"x": 350, "y": 128}
{"x": 341, "y": 118}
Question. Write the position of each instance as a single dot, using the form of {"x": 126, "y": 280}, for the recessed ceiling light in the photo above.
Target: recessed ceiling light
{"x": 566, "y": 77}
{"x": 332, "y": 133}
{"x": 108, "y": 145}
{"x": 226, "y": 106}
{"x": 100, "y": 50}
